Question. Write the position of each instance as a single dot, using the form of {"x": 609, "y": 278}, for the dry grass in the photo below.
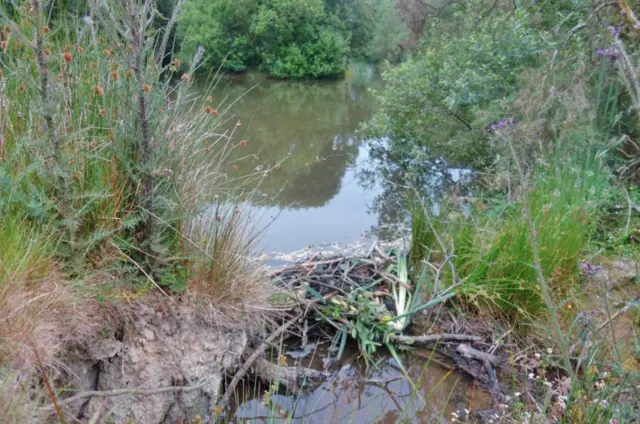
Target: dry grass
{"x": 222, "y": 265}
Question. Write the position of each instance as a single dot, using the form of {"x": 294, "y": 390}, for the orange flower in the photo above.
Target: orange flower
{"x": 102, "y": 112}
{"x": 214, "y": 112}
{"x": 107, "y": 52}
{"x": 4, "y": 44}
{"x": 128, "y": 73}
{"x": 99, "y": 91}
{"x": 114, "y": 75}
{"x": 45, "y": 29}
{"x": 186, "y": 77}
{"x": 146, "y": 88}
{"x": 243, "y": 142}
{"x": 207, "y": 109}
{"x": 67, "y": 47}
{"x": 67, "y": 57}
{"x": 47, "y": 52}
{"x": 100, "y": 39}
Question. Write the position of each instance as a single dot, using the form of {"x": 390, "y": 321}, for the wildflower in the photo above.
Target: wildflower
{"x": 146, "y": 88}
{"x": 60, "y": 77}
{"x": 176, "y": 63}
{"x": 209, "y": 99}
{"x": 235, "y": 167}
{"x": 238, "y": 210}
{"x": 207, "y": 109}
{"x": 21, "y": 88}
{"x": 611, "y": 53}
{"x": 536, "y": 355}
{"x": 531, "y": 376}
{"x": 242, "y": 143}
{"x": 80, "y": 49}
{"x": 46, "y": 29}
{"x": 218, "y": 218}
{"x": 185, "y": 77}
{"x": 99, "y": 91}
{"x": 47, "y": 52}
{"x": 67, "y": 47}
{"x": 102, "y": 112}
{"x": 128, "y": 73}
{"x": 517, "y": 394}
{"x": 615, "y": 30}
{"x": 589, "y": 269}
{"x": 67, "y": 57}
{"x": 107, "y": 52}
{"x": 214, "y": 112}
{"x": 100, "y": 40}
{"x": 114, "y": 75}
{"x": 4, "y": 44}
{"x": 549, "y": 350}
{"x": 277, "y": 166}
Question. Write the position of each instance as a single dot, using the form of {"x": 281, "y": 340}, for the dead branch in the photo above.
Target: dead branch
{"x": 289, "y": 377}
{"x": 122, "y": 392}
{"x": 435, "y": 338}
{"x": 244, "y": 369}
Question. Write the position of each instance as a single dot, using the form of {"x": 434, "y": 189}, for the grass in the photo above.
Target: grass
{"x": 107, "y": 161}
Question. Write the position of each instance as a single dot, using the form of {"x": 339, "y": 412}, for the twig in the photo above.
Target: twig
{"x": 122, "y": 392}
{"x": 244, "y": 369}
{"x": 435, "y": 338}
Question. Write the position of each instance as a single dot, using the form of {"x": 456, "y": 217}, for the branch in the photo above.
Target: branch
{"x": 121, "y": 392}
{"x": 434, "y": 338}
{"x": 254, "y": 356}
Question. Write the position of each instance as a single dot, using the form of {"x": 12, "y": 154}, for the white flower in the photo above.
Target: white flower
{"x": 531, "y": 375}
{"x": 549, "y": 350}
{"x": 537, "y": 355}
{"x": 516, "y": 394}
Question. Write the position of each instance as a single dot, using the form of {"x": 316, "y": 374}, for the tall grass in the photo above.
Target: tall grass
{"x": 109, "y": 146}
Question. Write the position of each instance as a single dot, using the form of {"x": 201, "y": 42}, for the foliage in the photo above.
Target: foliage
{"x": 288, "y": 38}
{"x": 430, "y": 102}
{"x": 493, "y": 254}
{"x": 100, "y": 145}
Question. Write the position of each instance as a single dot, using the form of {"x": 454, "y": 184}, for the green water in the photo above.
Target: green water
{"x": 306, "y": 132}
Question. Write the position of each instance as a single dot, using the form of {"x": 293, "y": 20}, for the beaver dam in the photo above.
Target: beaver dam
{"x": 361, "y": 342}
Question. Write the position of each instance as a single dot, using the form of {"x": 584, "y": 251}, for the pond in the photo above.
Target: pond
{"x": 322, "y": 191}
{"x": 309, "y": 129}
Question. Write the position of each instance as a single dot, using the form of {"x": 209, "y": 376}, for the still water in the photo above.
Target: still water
{"x": 306, "y": 132}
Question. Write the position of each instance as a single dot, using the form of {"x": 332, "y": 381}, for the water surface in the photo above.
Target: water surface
{"x": 306, "y": 132}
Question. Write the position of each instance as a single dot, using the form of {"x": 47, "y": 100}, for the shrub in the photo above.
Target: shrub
{"x": 430, "y": 102}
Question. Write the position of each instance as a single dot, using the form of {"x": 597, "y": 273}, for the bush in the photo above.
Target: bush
{"x": 430, "y": 102}
{"x": 287, "y": 39}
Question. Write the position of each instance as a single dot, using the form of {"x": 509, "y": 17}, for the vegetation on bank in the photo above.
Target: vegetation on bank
{"x": 114, "y": 184}
{"x": 113, "y": 187}
{"x": 289, "y": 39}
{"x": 541, "y": 101}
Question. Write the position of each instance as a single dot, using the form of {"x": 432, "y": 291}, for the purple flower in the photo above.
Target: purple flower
{"x": 589, "y": 269}
{"x": 502, "y": 124}
{"x": 615, "y": 30}
{"x": 610, "y": 53}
